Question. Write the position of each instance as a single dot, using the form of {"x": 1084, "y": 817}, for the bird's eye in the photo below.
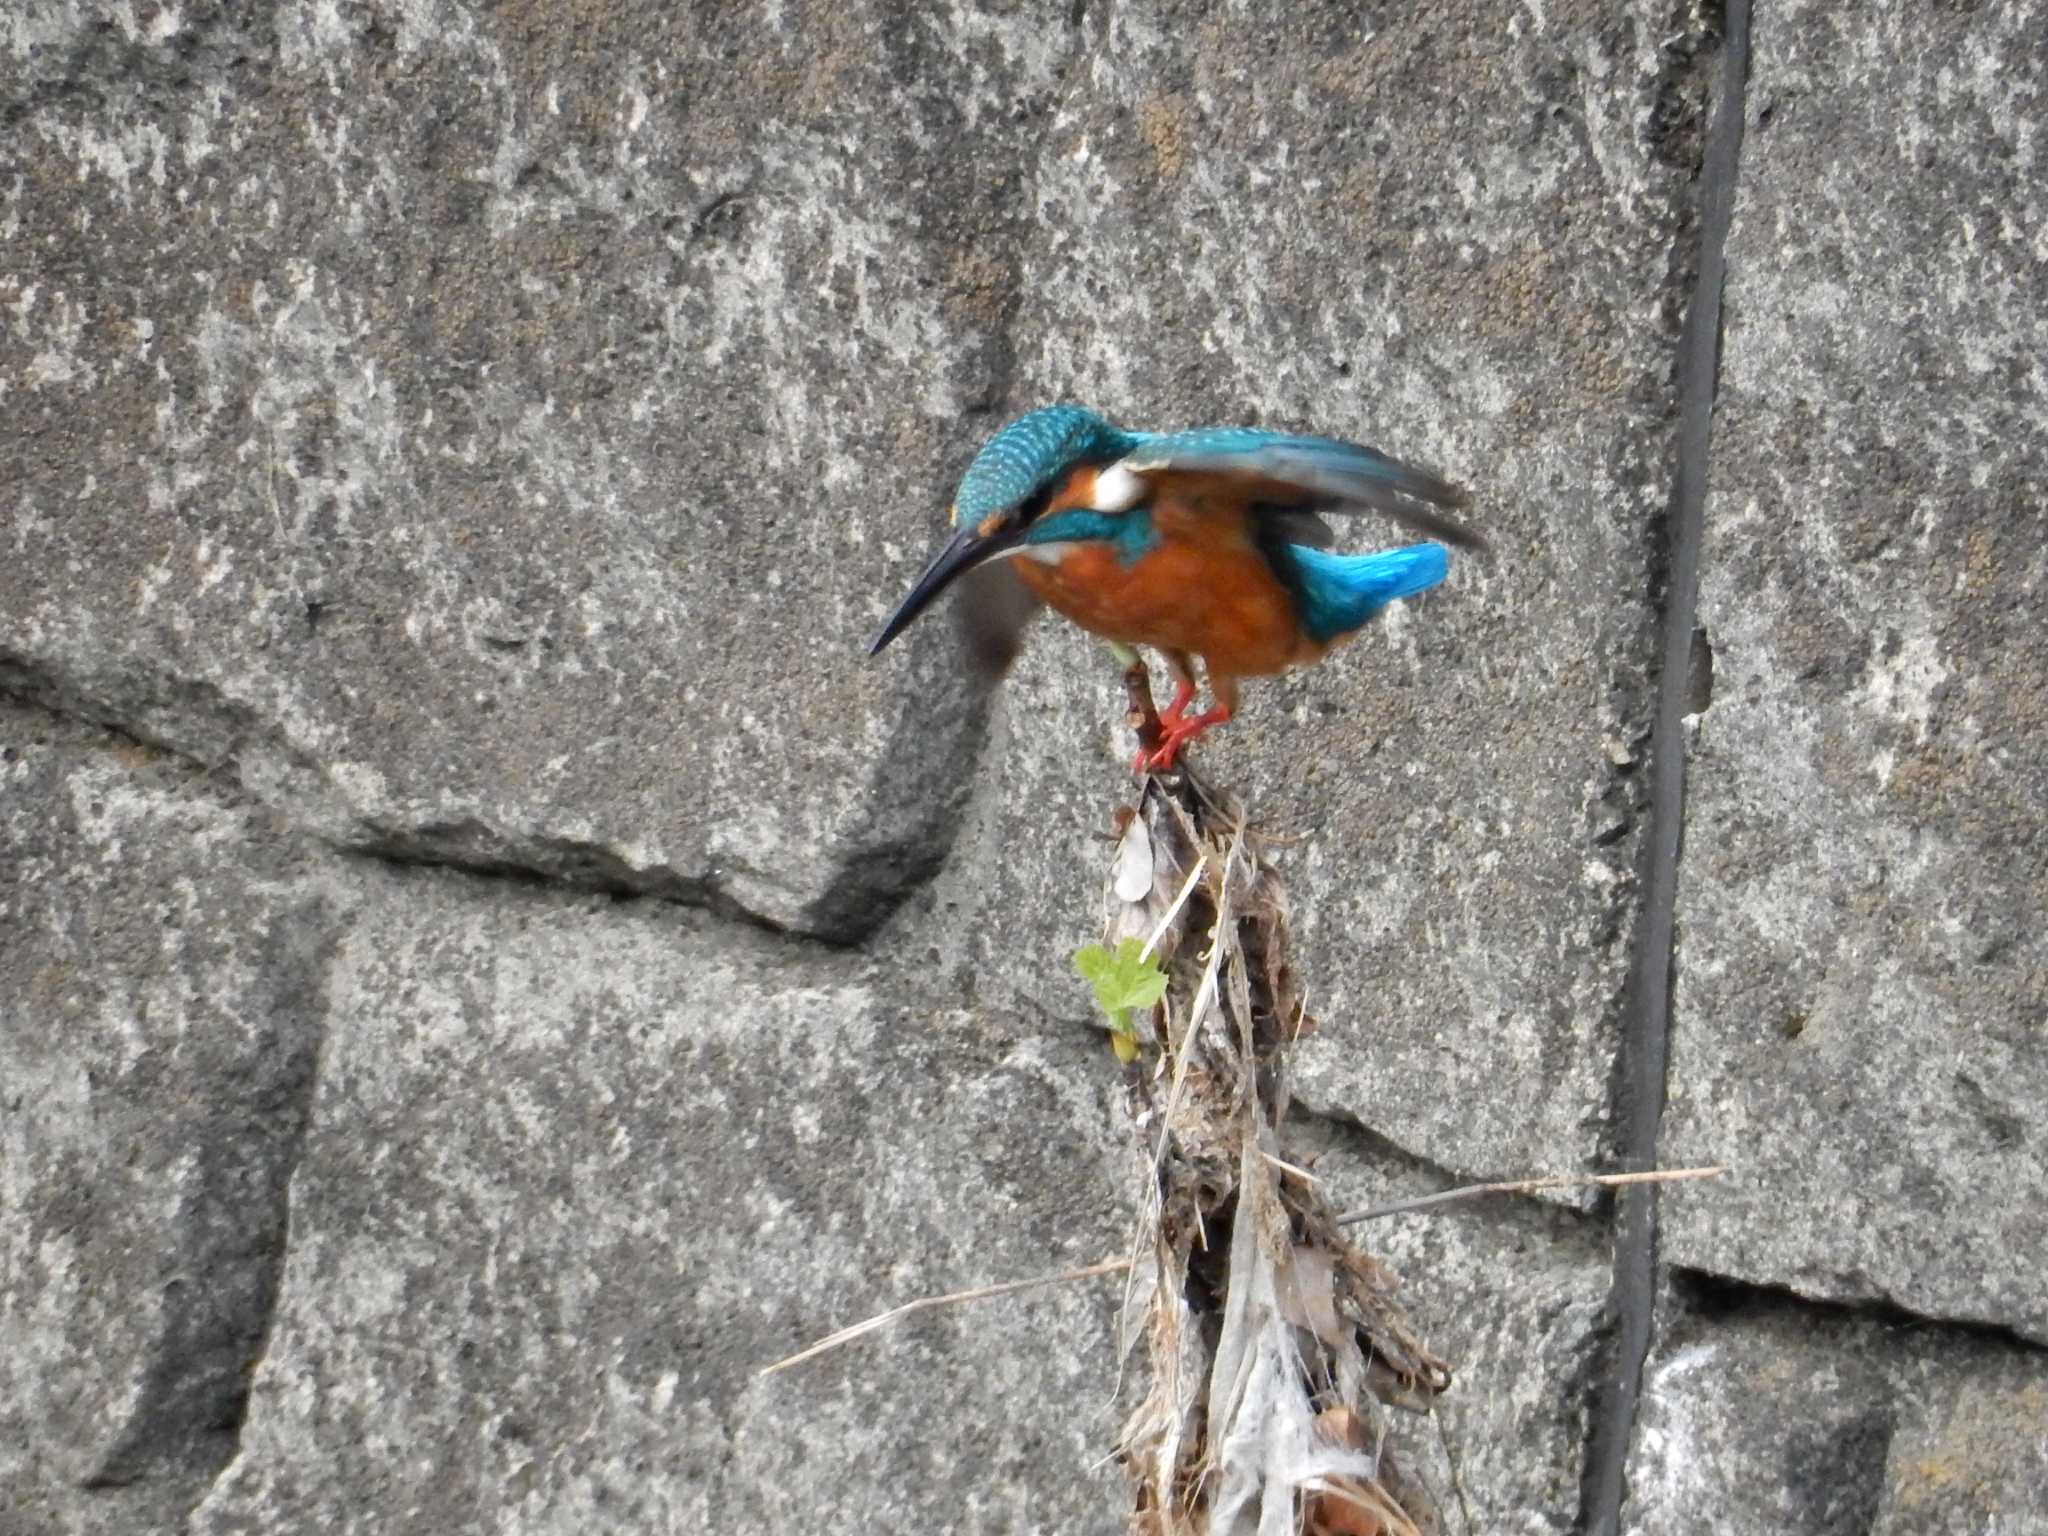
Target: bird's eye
{"x": 1033, "y": 506}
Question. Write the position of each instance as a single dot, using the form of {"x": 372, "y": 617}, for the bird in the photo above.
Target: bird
{"x": 1207, "y": 543}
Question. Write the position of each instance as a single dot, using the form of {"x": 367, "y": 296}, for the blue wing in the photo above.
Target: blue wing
{"x": 1339, "y": 593}
{"x": 1316, "y": 473}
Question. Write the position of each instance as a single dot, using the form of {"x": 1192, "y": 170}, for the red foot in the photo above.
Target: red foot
{"x": 1179, "y": 731}
{"x": 1183, "y": 696}
{"x": 1172, "y": 719}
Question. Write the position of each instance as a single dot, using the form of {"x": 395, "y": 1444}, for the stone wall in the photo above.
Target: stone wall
{"x": 486, "y": 964}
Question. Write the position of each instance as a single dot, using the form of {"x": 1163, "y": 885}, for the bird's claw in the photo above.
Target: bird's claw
{"x": 1177, "y": 732}
{"x": 1159, "y": 760}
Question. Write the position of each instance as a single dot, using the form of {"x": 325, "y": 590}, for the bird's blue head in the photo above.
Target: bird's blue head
{"x": 1005, "y": 490}
{"x": 1028, "y": 457}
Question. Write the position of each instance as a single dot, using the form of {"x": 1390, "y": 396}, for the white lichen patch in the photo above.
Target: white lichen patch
{"x": 1901, "y": 684}
{"x": 1671, "y": 1472}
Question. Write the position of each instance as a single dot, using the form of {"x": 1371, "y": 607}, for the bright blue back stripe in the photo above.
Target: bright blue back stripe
{"x": 1340, "y": 593}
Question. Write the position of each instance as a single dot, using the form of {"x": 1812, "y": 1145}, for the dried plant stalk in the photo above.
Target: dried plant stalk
{"x": 1275, "y": 1343}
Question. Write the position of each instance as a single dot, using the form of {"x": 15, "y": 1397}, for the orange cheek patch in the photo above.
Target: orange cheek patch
{"x": 1077, "y": 490}
{"x": 991, "y": 525}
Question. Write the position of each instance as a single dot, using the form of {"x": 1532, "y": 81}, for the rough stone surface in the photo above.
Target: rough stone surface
{"x": 161, "y": 974}
{"x": 601, "y": 374}
{"x": 1862, "y": 990}
{"x": 485, "y": 436}
{"x": 468, "y": 422}
{"x": 576, "y": 1175}
{"x": 1970, "y": 1452}
{"x": 574, "y": 1172}
{"x": 1762, "y": 1416}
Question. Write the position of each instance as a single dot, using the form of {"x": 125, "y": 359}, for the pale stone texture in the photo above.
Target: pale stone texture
{"x": 486, "y": 436}
{"x": 493, "y": 434}
{"x": 1764, "y": 1418}
{"x": 575, "y": 1175}
{"x": 1862, "y": 979}
{"x": 162, "y": 965}
{"x": 570, "y": 1173}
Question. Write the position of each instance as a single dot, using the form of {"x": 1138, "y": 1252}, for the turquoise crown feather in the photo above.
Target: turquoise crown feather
{"x": 1032, "y": 451}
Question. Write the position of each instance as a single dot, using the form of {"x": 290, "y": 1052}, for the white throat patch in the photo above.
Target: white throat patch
{"x": 1044, "y": 554}
{"x": 1116, "y": 490}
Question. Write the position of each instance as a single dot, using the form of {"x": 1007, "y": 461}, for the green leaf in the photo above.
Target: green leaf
{"x": 1094, "y": 962}
{"x": 1122, "y": 981}
{"x": 1145, "y": 991}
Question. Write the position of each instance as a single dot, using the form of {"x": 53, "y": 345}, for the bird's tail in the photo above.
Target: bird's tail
{"x": 1340, "y": 593}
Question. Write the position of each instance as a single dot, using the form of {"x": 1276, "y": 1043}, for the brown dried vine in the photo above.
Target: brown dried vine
{"x": 1276, "y": 1346}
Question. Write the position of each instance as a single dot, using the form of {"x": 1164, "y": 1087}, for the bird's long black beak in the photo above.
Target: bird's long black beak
{"x": 967, "y": 549}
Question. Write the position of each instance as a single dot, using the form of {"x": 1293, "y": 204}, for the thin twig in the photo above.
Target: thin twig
{"x": 926, "y": 1303}
{"x": 1198, "y": 1010}
{"x": 1296, "y": 1169}
{"x": 1139, "y": 709}
{"x": 1527, "y": 1186}
{"x": 1119, "y": 1266}
{"x": 1187, "y": 889}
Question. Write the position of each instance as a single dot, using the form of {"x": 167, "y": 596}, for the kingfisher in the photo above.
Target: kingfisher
{"x": 1208, "y": 543}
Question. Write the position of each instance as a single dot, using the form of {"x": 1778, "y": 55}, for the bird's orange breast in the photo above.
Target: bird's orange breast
{"x": 1203, "y": 588}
